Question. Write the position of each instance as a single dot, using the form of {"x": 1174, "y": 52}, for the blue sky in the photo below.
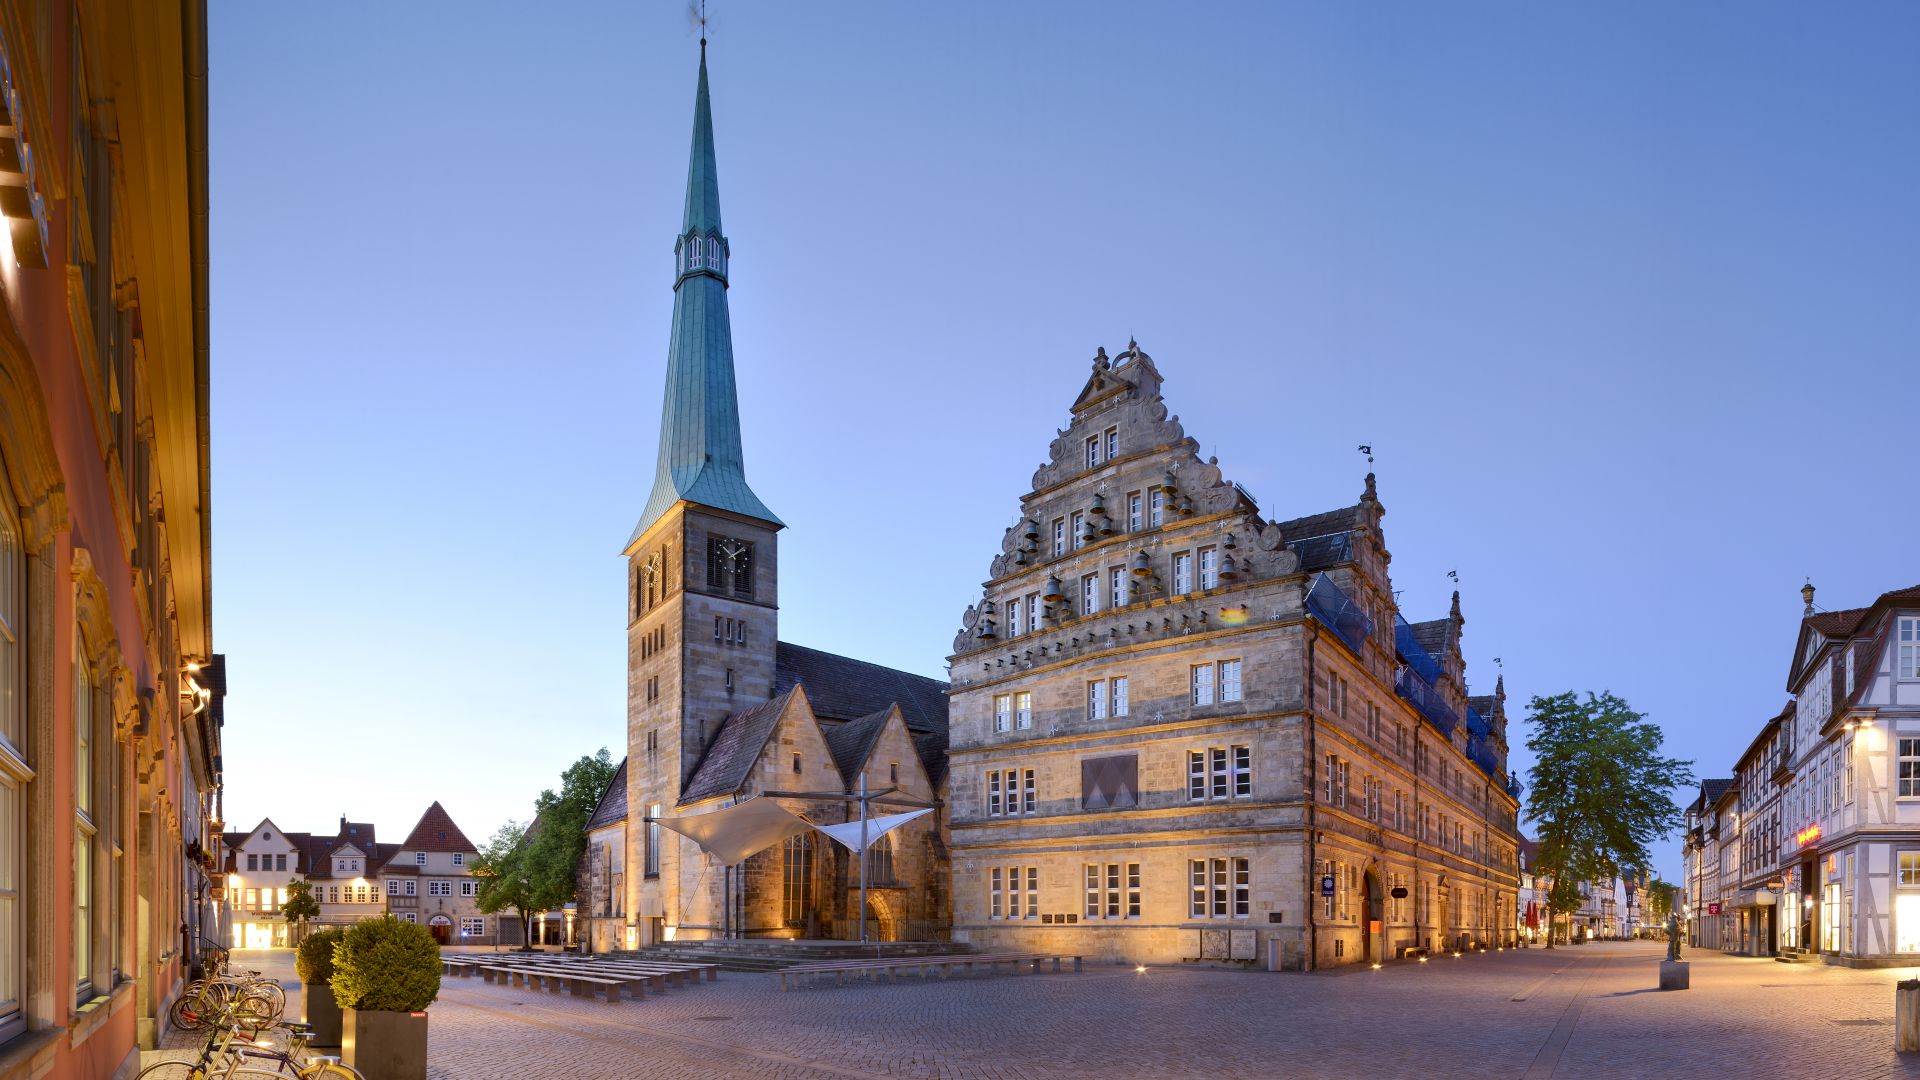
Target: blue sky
{"x": 1622, "y": 297}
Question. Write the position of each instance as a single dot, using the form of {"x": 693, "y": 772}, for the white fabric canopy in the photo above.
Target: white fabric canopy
{"x": 848, "y": 835}
{"x": 740, "y": 830}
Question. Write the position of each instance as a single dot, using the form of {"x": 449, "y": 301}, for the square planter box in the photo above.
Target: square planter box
{"x": 323, "y": 1013}
{"x": 385, "y": 1045}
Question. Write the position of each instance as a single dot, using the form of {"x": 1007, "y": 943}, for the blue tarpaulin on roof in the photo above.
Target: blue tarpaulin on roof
{"x": 1424, "y": 698}
{"x": 1476, "y": 724}
{"x": 1411, "y": 652}
{"x": 1335, "y": 610}
{"x": 1482, "y": 755}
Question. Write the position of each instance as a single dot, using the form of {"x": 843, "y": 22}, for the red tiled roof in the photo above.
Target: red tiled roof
{"x": 437, "y": 832}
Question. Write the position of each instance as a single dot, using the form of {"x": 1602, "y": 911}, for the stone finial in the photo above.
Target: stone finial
{"x": 1500, "y": 687}
{"x": 1100, "y": 361}
{"x": 1454, "y": 612}
{"x": 1371, "y": 494}
{"x": 1806, "y": 594}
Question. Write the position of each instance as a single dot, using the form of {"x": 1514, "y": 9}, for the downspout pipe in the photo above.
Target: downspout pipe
{"x": 1313, "y": 763}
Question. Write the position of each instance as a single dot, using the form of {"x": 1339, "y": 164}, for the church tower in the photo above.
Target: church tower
{"x": 702, "y": 605}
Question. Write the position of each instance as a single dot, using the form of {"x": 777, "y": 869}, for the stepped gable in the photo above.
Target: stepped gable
{"x": 852, "y": 742}
{"x": 736, "y": 747}
{"x": 436, "y": 832}
{"x": 842, "y": 688}
{"x": 612, "y": 808}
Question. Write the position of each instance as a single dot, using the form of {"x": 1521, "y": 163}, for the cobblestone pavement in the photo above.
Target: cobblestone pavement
{"x": 1589, "y": 1011}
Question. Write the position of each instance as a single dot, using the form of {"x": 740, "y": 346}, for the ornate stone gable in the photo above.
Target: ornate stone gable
{"x": 1121, "y": 444}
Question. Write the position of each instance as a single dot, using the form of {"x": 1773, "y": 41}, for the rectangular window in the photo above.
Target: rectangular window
{"x": 1133, "y": 890}
{"x": 1230, "y": 680}
{"x": 410, "y": 887}
{"x": 1327, "y": 779}
{"x": 1197, "y": 884}
{"x": 1909, "y": 768}
{"x": 1033, "y": 613}
{"x": 1182, "y": 573}
{"x": 1133, "y": 512}
{"x": 1908, "y": 636}
{"x": 1093, "y": 451}
{"x": 1156, "y": 508}
{"x": 1014, "y": 893}
{"x": 280, "y": 862}
{"x": 651, "y": 866}
{"x": 1217, "y": 767}
{"x": 1846, "y": 755}
{"x": 1113, "y": 443}
{"x": 1117, "y": 586}
{"x": 993, "y": 893}
{"x": 1196, "y": 776}
{"x": 1242, "y": 771}
{"x": 1119, "y": 695}
{"x": 1209, "y": 569}
{"x": 472, "y": 927}
{"x": 1079, "y": 528}
{"x": 1340, "y": 786}
{"x": 466, "y": 888}
{"x": 1113, "y": 891}
{"x": 1033, "y": 892}
{"x": 1219, "y": 886}
{"x": 1097, "y": 700}
{"x": 459, "y": 858}
{"x": 1002, "y": 712}
{"x": 1059, "y": 536}
{"x": 253, "y": 862}
{"x": 1910, "y": 869}
{"x": 419, "y": 858}
{"x": 1023, "y": 709}
{"x": 1090, "y": 594}
{"x": 1091, "y": 909}
{"x": 1014, "y": 612}
{"x": 1202, "y": 684}
{"x": 1028, "y": 802}
{"x": 439, "y": 888}
{"x": 393, "y": 886}
{"x": 993, "y": 793}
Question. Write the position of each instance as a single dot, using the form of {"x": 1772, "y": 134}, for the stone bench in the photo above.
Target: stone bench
{"x": 888, "y": 966}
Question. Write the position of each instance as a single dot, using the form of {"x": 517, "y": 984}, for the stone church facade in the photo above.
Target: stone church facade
{"x": 719, "y": 709}
{"x": 1183, "y": 731}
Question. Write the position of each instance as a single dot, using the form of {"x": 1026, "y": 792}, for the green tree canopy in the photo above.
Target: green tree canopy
{"x": 1599, "y": 790}
{"x": 1660, "y": 896}
{"x": 558, "y": 836}
{"x": 503, "y": 877}
{"x": 300, "y": 905}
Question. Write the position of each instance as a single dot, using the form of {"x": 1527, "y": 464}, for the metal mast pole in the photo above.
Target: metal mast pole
{"x": 863, "y": 858}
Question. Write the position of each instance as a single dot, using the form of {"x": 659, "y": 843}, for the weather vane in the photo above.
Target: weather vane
{"x": 1367, "y": 450}
{"x": 697, "y": 14}
{"x": 1455, "y": 575}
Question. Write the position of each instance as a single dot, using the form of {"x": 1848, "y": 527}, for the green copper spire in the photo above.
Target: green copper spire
{"x": 700, "y": 459}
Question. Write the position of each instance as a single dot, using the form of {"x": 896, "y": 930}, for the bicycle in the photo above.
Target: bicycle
{"x": 225, "y": 1056}
{"x": 246, "y": 994}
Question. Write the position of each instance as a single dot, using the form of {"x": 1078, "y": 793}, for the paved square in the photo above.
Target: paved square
{"x": 1588, "y": 1011}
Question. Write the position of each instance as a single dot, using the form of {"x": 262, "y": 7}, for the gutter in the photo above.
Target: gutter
{"x": 193, "y": 18}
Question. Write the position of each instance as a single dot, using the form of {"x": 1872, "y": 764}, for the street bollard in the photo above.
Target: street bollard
{"x": 1906, "y": 1015}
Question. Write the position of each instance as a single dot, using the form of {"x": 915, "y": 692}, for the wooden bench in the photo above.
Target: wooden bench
{"x": 888, "y": 966}
{"x": 672, "y": 974}
{"x": 581, "y": 983}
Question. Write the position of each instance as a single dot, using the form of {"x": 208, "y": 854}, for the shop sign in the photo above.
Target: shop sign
{"x": 1713, "y": 907}
{"x": 1326, "y": 884}
{"x": 1398, "y": 892}
{"x": 1807, "y": 836}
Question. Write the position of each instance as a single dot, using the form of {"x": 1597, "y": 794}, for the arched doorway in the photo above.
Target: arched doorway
{"x": 441, "y": 928}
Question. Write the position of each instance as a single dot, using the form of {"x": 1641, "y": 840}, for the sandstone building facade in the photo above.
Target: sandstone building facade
{"x": 1183, "y": 731}
{"x": 719, "y": 710}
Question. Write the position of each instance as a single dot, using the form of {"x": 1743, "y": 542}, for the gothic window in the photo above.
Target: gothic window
{"x": 797, "y": 878}
{"x": 730, "y": 565}
{"x": 693, "y": 253}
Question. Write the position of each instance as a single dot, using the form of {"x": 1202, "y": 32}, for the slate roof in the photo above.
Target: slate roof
{"x": 1432, "y": 636}
{"x": 1484, "y": 705}
{"x": 1711, "y": 790}
{"x": 437, "y": 832}
{"x": 1325, "y": 523}
{"x": 612, "y": 808}
{"x": 852, "y": 742}
{"x": 933, "y": 754}
{"x": 729, "y": 760}
{"x": 1320, "y": 552}
{"x": 842, "y": 688}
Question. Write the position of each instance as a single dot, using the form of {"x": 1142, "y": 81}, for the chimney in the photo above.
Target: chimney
{"x": 1806, "y": 593}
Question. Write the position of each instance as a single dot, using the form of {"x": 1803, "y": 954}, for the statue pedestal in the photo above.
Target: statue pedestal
{"x": 1673, "y": 975}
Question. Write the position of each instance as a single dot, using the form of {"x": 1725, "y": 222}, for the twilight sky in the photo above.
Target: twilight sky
{"x": 1623, "y": 298}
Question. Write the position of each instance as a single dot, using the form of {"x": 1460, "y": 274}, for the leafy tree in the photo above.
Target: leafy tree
{"x": 558, "y": 836}
{"x": 1600, "y": 790}
{"x": 504, "y": 878}
{"x": 1563, "y": 898}
{"x": 1660, "y": 896}
{"x": 300, "y": 907}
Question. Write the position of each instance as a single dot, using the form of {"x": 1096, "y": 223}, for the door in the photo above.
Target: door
{"x": 441, "y": 928}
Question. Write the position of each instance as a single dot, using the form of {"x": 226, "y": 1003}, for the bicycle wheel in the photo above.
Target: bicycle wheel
{"x": 188, "y": 1013}
{"x": 333, "y": 1070}
{"x": 172, "y": 1070}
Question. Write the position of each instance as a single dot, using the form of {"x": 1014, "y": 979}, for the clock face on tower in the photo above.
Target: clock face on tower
{"x": 730, "y": 565}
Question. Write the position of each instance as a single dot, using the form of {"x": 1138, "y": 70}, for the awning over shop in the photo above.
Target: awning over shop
{"x": 740, "y": 830}
{"x": 848, "y": 835}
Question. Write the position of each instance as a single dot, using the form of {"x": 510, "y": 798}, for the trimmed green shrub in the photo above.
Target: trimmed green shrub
{"x": 386, "y": 965}
{"x": 314, "y": 960}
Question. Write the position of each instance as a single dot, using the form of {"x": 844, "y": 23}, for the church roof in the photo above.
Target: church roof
{"x": 852, "y": 742}
{"x": 612, "y": 808}
{"x": 842, "y": 688}
{"x": 736, "y": 747}
{"x": 700, "y": 459}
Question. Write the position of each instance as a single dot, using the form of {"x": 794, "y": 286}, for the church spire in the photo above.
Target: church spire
{"x": 700, "y": 458}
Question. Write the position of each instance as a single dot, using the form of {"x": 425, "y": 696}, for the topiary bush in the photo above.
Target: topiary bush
{"x": 386, "y": 965}
{"x": 314, "y": 960}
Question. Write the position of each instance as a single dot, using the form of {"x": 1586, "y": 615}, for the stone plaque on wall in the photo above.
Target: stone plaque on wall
{"x": 1240, "y": 945}
{"x": 1213, "y": 944}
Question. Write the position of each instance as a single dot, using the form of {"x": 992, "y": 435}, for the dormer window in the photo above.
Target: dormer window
{"x": 1909, "y": 642}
